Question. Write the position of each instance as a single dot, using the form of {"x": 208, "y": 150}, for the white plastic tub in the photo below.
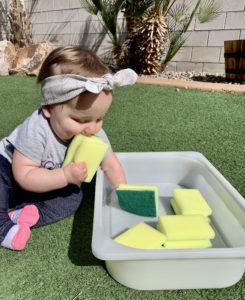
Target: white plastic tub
{"x": 217, "y": 267}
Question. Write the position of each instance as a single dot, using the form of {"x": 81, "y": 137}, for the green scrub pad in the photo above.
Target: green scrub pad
{"x": 142, "y": 236}
{"x": 90, "y": 150}
{"x": 138, "y": 199}
{"x": 182, "y": 228}
{"x": 190, "y": 202}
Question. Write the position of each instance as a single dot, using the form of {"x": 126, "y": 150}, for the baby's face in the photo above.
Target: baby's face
{"x": 84, "y": 114}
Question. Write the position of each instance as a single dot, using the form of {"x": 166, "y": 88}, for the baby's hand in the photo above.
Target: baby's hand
{"x": 75, "y": 173}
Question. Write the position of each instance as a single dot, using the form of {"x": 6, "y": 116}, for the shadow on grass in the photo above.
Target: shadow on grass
{"x": 80, "y": 252}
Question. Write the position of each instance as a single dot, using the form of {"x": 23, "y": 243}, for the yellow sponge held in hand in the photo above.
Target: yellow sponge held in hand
{"x": 142, "y": 236}
{"x": 90, "y": 150}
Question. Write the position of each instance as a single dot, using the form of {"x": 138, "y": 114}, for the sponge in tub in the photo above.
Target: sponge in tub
{"x": 90, "y": 150}
{"x": 182, "y": 228}
{"x": 138, "y": 199}
{"x": 142, "y": 236}
{"x": 187, "y": 244}
{"x": 190, "y": 202}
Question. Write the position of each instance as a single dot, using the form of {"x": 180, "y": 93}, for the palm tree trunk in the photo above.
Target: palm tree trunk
{"x": 146, "y": 45}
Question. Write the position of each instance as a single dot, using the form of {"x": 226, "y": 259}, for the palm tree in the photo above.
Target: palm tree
{"x": 133, "y": 11}
{"x": 179, "y": 18}
{"x": 145, "y": 43}
{"x": 107, "y": 11}
{"x": 156, "y": 29}
{"x": 161, "y": 31}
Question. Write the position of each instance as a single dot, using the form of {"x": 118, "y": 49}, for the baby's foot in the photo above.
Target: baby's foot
{"x": 17, "y": 237}
{"x": 28, "y": 215}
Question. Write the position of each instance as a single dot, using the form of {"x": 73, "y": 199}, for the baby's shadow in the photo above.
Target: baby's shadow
{"x": 80, "y": 252}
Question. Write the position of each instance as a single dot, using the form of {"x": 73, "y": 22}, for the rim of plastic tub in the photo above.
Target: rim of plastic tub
{"x": 105, "y": 248}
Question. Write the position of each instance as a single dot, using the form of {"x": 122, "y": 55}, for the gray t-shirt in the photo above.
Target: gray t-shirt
{"x": 35, "y": 139}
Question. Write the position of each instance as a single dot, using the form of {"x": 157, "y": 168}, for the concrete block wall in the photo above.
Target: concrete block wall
{"x": 203, "y": 51}
{"x": 65, "y": 22}
{"x": 61, "y": 21}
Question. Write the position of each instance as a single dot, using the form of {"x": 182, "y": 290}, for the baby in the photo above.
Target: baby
{"x": 76, "y": 90}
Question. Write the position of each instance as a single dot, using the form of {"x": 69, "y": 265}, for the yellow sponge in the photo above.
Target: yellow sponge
{"x": 180, "y": 228}
{"x": 142, "y": 236}
{"x": 187, "y": 244}
{"x": 90, "y": 150}
{"x": 190, "y": 202}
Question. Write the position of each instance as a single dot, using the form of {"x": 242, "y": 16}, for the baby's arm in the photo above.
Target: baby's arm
{"x": 113, "y": 170}
{"x": 30, "y": 176}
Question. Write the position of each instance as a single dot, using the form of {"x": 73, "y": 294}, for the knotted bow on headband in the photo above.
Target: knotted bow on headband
{"x": 60, "y": 88}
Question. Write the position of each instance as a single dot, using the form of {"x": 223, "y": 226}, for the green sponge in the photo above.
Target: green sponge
{"x": 138, "y": 199}
{"x": 90, "y": 150}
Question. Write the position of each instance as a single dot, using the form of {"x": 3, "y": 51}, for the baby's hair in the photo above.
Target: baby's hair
{"x": 72, "y": 60}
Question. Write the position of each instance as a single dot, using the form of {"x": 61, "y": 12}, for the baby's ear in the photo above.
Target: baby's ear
{"x": 46, "y": 111}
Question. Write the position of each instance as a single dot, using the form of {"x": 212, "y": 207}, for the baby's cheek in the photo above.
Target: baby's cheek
{"x": 76, "y": 129}
{"x": 99, "y": 126}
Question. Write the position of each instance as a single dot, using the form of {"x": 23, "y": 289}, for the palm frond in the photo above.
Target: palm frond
{"x": 158, "y": 5}
{"x": 109, "y": 14}
{"x": 193, "y": 13}
{"x": 121, "y": 29}
{"x": 33, "y": 6}
{"x": 179, "y": 11}
{"x": 136, "y": 8}
{"x": 178, "y": 17}
{"x": 85, "y": 39}
{"x": 142, "y": 7}
{"x": 115, "y": 4}
{"x": 208, "y": 10}
{"x": 177, "y": 32}
{"x": 176, "y": 41}
{"x": 92, "y": 6}
{"x": 183, "y": 18}
{"x": 164, "y": 5}
{"x": 167, "y": 5}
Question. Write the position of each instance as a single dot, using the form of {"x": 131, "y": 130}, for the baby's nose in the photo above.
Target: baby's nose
{"x": 90, "y": 130}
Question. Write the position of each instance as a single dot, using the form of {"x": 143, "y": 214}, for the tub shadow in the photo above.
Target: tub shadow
{"x": 80, "y": 251}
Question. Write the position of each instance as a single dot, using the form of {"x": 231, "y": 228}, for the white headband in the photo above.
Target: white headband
{"x": 60, "y": 88}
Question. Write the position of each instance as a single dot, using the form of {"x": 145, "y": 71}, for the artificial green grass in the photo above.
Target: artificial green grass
{"x": 57, "y": 263}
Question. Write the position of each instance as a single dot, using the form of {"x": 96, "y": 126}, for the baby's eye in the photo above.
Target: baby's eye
{"x": 81, "y": 121}
{"x": 84, "y": 121}
{"x": 99, "y": 120}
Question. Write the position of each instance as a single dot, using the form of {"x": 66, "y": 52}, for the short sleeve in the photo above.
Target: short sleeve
{"x": 29, "y": 138}
{"x": 103, "y": 135}
{"x": 105, "y": 138}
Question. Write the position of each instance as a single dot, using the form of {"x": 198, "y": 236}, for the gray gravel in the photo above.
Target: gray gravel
{"x": 194, "y": 76}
